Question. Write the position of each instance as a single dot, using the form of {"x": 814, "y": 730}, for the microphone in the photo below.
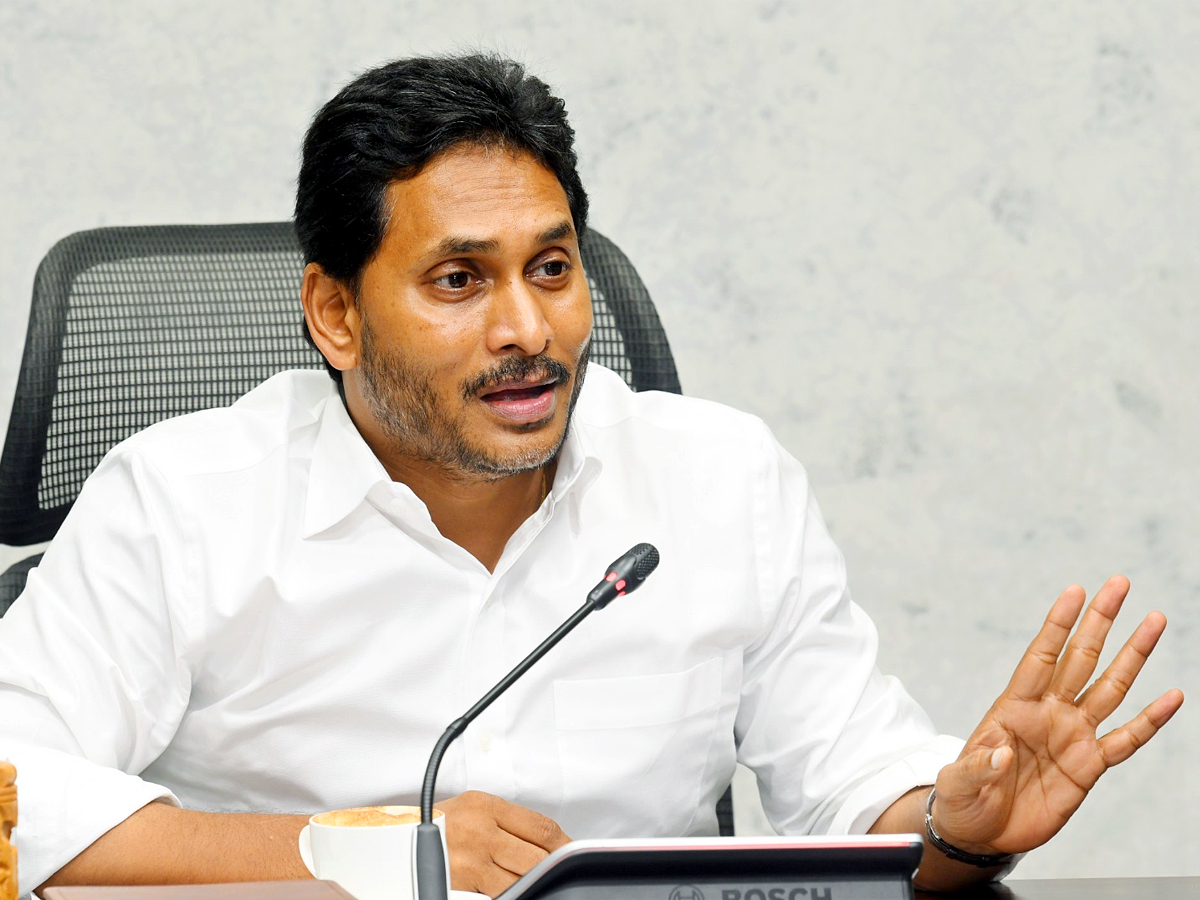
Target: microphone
{"x": 625, "y": 574}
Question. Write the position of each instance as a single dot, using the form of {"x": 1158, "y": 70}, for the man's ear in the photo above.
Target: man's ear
{"x": 332, "y": 316}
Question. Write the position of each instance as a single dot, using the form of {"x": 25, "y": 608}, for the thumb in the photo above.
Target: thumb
{"x": 974, "y": 771}
{"x": 987, "y": 765}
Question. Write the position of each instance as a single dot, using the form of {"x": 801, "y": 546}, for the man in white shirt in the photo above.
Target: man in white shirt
{"x": 257, "y": 613}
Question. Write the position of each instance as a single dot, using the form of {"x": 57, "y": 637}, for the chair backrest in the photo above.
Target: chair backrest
{"x": 133, "y": 325}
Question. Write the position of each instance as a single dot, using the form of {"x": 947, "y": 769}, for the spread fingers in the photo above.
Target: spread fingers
{"x": 1101, "y": 700}
{"x": 1037, "y": 666}
{"x": 1083, "y": 650}
{"x": 1121, "y": 743}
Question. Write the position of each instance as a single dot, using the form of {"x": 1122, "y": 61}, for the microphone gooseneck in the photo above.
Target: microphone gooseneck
{"x": 625, "y": 574}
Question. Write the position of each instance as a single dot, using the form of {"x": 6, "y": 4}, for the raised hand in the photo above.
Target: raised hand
{"x": 492, "y": 842}
{"x": 1036, "y": 754}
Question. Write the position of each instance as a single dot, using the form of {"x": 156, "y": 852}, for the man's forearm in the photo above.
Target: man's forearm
{"x": 937, "y": 872}
{"x": 162, "y": 844}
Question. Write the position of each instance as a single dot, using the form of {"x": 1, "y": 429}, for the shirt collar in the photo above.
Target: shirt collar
{"x": 578, "y": 463}
{"x": 342, "y": 471}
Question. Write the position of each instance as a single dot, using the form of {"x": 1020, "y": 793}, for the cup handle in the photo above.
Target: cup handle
{"x": 306, "y": 850}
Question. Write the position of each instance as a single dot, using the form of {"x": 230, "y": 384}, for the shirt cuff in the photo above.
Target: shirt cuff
{"x": 869, "y": 800}
{"x": 64, "y": 803}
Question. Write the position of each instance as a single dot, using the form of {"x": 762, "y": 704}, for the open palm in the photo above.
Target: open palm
{"x": 1031, "y": 761}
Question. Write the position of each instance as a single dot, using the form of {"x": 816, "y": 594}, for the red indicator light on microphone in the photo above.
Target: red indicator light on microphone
{"x": 624, "y": 575}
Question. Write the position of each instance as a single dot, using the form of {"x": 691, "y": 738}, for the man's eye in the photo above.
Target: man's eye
{"x": 554, "y": 268}
{"x": 455, "y": 280}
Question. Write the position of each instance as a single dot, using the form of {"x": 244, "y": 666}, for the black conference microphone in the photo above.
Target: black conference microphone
{"x": 624, "y": 575}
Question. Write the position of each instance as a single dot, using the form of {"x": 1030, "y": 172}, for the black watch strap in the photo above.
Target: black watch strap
{"x": 979, "y": 860}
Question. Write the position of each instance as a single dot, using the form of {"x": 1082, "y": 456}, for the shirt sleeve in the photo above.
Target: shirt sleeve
{"x": 93, "y": 670}
{"x": 832, "y": 741}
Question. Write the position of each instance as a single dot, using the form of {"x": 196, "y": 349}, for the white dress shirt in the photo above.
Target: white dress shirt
{"x": 243, "y": 612}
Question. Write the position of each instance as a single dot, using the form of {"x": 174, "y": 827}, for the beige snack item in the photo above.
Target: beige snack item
{"x": 366, "y": 816}
{"x": 8, "y": 820}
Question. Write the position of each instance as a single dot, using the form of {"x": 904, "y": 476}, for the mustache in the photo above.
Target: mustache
{"x": 517, "y": 368}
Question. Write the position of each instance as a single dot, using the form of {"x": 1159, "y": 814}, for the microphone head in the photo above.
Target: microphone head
{"x": 625, "y": 574}
{"x": 646, "y": 556}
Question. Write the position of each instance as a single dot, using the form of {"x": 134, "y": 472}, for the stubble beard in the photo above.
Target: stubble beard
{"x": 403, "y": 401}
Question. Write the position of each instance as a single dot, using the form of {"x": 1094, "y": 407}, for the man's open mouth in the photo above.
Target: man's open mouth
{"x": 519, "y": 393}
{"x": 523, "y": 403}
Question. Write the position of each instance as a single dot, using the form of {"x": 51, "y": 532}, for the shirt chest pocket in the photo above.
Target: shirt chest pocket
{"x": 634, "y": 750}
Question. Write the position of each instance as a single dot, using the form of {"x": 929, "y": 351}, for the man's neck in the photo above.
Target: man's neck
{"x": 477, "y": 511}
{"x": 479, "y": 515}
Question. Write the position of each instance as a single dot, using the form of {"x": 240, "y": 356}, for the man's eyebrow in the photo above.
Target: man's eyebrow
{"x": 557, "y": 233}
{"x": 460, "y": 246}
{"x": 463, "y": 246}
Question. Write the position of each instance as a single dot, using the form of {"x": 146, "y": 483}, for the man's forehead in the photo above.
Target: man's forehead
{"x": 471, "y": 199}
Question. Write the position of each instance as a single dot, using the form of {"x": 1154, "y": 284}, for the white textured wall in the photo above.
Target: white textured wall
{"x": 947, "y": 249}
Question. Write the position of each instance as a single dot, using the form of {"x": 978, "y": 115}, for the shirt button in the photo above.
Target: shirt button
{"x": 485, "y": 741}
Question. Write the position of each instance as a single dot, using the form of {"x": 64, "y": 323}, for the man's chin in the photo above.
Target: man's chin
{"x": 504, "y": 448}
{"x": 524, "y": 448}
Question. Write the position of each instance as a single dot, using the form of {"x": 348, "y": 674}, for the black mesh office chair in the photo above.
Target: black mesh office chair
{"x": 133, "y": 325}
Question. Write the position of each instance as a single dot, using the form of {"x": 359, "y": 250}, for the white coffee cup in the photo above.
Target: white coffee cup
{"x": 371, "y": 861}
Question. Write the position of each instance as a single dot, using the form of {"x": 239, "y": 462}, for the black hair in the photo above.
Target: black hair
{"x": 388, "y": 124}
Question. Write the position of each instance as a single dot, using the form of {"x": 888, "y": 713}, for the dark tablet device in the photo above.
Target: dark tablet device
{"x": 864, "y": 867}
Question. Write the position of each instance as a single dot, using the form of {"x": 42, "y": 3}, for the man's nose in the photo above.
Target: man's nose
{"x": 518, "y": 320}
